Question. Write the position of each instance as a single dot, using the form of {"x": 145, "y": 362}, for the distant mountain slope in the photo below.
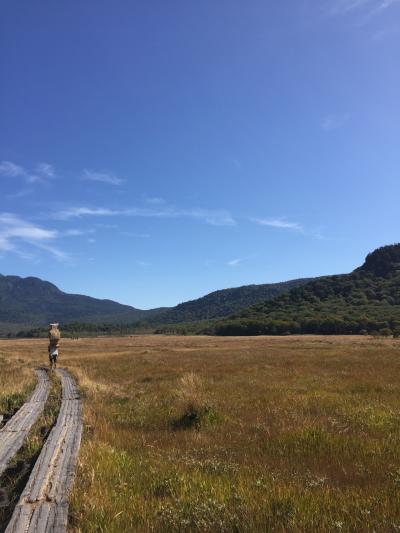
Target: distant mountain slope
{"x": 27, "y": 303}
{"x": 224, "y": 302}
{"x": 366, "y": 300}
{"x": 34, "y": 302}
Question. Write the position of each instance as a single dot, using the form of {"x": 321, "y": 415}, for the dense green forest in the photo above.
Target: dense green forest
{"x": 86, "y": 329}
{"x": 224, "y": 302}
{"x": 365, "y": 301}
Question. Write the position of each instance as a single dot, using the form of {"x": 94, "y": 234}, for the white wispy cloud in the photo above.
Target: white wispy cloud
{"x": 383, "y": 33}
{"x": 334, "y": 121}
{"x": 46, "y": 170}
{"x": 366, "y": 9}
{"x": 135, "y": 235}
{"x": 79, "y": 212}
{"x": 141, "y": 263}
{"x": 155, "y": 200}
{"x": 13, "y": 226}
{"x": 34, "y": 178}
{"x": 21, "y": 193}
{"x": 42, "y": 173}
{"x": 74, "y": 232}
{"x": 345, "y": 6}
{"x": 103, "y": 177}
{"x": 212, "y": 217}
{"x": 52, "y": 250}
{"x": 11, "y": 170}
{"x": 16, "y": 233}
{"x": 234, "y": 262}
{"x": 284, "y": 224}
{"x": 279, "y": 223}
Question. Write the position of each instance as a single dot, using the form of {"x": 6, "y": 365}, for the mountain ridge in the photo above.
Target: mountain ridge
{"x": 363, "y": 301}
{"x": 222, "y": 302}
{"x": 31, "y": 302}
{"x": 35, "y": 302}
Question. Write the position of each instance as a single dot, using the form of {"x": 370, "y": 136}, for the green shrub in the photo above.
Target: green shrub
{"x": 196, "y": 417}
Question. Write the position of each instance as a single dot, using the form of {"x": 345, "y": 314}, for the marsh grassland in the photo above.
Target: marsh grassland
{"x": 231, "y": 434}
{"x": 16, "y": 382}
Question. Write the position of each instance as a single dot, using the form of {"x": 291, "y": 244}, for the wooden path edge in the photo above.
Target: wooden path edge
{"x": 15, "y": 431}
{"x": 43, "y": 506}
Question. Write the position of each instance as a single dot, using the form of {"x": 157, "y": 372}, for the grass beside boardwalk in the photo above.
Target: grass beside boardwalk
{"x": 17, "y": 379}
{"x": 236, "y": 434}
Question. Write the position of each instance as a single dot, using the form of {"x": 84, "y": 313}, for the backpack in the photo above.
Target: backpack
{"x": 54, "y": 336}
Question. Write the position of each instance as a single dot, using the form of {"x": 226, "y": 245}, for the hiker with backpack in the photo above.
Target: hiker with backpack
{"x": 54, "y": 343}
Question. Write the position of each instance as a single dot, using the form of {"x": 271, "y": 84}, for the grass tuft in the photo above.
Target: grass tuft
{"x": 195, "y": 410}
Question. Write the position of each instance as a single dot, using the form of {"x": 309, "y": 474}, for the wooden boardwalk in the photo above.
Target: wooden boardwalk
{"x": 13, "y": 434}
{"x": 43, "y": 506}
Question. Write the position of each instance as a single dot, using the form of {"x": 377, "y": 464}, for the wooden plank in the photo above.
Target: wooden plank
{"x": 43, "y": 506}
{"x": 14, "y": 433}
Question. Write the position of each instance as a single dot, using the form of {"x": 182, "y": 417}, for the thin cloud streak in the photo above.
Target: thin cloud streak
{"x": 279, "y": 223}
{"x": 77, "y": 232}
{"x": 345, "y": 6}
{"x": 102, "y": 177}
{"x": 21, "y": 193}
{"x": 42, "y": 173}
{"x": 155, "y": 201}
{"x": 284, "y": 224}
{"x": 212, "y": 217}
{"x": 334, "y": 121}
{"x": 135, "y": 235}
{"x": 142, "y": 263}
{"x": 15, "y": 231}
{"x": 46, "y": 170}
{"x": 234, "y": 262}
{"x": 364, "y": 8}
{"x": 11, "y": 170}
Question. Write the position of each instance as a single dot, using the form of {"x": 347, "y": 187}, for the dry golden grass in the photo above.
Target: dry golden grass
{"x": 16, "y": 377}
{"x": 234, "y": 434}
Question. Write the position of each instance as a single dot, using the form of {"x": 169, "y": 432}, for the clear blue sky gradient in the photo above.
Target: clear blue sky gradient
{"x": 151, "y": 152}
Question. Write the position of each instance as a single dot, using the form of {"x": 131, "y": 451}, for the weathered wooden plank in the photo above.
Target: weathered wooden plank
{"x": 13, "y": 434}
{"x": 43, "y": 506}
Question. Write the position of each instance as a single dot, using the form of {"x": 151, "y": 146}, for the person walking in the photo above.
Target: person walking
{"x": 54, "y": 343}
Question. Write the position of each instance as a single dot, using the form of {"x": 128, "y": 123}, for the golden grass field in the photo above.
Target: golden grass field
{"x": 230, "y": 434}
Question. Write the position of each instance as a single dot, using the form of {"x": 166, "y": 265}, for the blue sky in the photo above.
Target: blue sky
{"x": 151, "y": 152}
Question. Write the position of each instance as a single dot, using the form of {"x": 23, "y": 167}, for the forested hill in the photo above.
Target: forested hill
{"x": 367, "y": 300}
{"x": 364, "y": 301}
{"x": 224, "y": 302}
{"x": 34, "y": 302}
{"x": 27, "y": 303}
